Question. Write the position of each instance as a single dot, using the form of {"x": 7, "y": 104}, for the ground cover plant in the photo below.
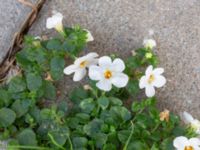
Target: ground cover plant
{"x": 105, "y": 113}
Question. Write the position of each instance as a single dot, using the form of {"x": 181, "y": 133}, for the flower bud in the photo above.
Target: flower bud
{"x": 164, "y": 116}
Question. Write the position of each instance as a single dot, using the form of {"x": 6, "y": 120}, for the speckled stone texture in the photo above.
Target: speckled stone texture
{"x": 12, "y": 15}
{"x": 120, "y": 26}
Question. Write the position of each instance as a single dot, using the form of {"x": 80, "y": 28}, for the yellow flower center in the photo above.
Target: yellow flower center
{"x": 151, "y": 78}
{"x": 83, "y": 64}
{"x": 107, "y": 74}
{"x": 188, "y": 148}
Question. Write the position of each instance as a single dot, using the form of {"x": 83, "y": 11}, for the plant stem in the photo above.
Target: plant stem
{"x": 28, "y": 147}
{"x": 137, "y": 114}
{"x": 54, "y": 142}
{"x": 103, "y": 93}
{"x": 70, "y": 143}
{"x": 130, "y": 136}
{"x": 94, "y": 92}
{"x": 156, "y": 127}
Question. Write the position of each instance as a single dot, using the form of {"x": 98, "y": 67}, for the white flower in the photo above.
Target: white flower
{"x": 193, "y": 123}
{"x": 149, "y": 43}
{"x": 108, "y": 73}
{"x": 55, "y": 21}
{"x": 89, "y": 36}
{"x": 151, "y": 79}
{"x": 37, "y": 38}
{"x": 183, "y": 143}
{"x": 80, "y": 65}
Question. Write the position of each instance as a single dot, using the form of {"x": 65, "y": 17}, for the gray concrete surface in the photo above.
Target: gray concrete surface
{"x": 121, "y": 25}
{"x": 12, "y": 15}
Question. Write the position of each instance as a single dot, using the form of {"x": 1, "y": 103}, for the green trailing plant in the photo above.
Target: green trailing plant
{"x": 32, "y": 118}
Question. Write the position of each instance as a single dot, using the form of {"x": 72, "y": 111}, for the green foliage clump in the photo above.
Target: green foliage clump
{"x": 32, "y": 118}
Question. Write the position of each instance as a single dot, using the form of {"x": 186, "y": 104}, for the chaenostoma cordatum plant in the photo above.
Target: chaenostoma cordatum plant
{"x": 105, "y": 114}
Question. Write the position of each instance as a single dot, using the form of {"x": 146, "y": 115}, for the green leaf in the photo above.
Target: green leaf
{"x": 34, "y": 81}
{"x": 7, "y": 117}
{"x": 137, "y": 106}
{"x": 5, "y": 98}
{"x": 77, "y": 95}
{"x": 49, "y": 90}
{"x": 54, "y": 44}
{"x": 115, "y": 101}
{"x": 154, "y": 147}
{"x": 83, "y": 117}
{"x": 63, "y": 106}
{"x": 73, "y": 122}
{"x": 56, "y": 67}
{"x": 41, "y": 56}
{"x": 133, "y": 62}
{"x": 87, "y": 105}
{"x": 100, "y": 139}
{"x": 23, "y": 60}
{"x": 35, "y": 113}
{"x": 17, "y": 84}
{"x": 21, "y": 107}
{"x": 120, "y": 114}
{"x": 133, "y": 87}
{"x": 59, "y": 135}
{"x": 137, "y": 145}
{"x": 27, "y": 137}
{"x": 109, "y": 146}
{"x": 45, "y": 113}
{"x": 79, "y": 142}
{"x": 68, "y": 46}
{"x": 178, "y": 131}
{"x": 93, "y": 127}
{"x": 167, "y": 144}
{"x": 103, "y": 102}
{"x": 123, "y": 135}
{"x": 11, "y": 143}
{"x": 107, "y": 117}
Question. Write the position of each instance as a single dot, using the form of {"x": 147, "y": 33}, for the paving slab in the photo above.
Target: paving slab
{"x": 121, "y": 25}
{"x": 12, "y": 15}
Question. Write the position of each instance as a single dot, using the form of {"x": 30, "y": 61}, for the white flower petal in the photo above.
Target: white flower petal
{"x": 70, "y": 69}
{"x": 95, "y": 73}
{"x": 186, "y": 117}
{"x": 194, "y": 142}
{"x": 79, "y": 74}
{"x": 195, "y": 124}
{"x": 89, "y": 58}
{"x": 89, "y": 36}
{"x": 149, "y": 91}
{"x": 37, "y": 38}
{"x": 105, "y": 61}
{"x": 180, "y": 142}
{"x": 196, "y": 147}
{"x": 55, "y": 20}
{"x": 143, "y": 82}
{"x": 92, "y": 59}
{"x": 159, "y": 81}
{"x": 79, "y": 60}
{"x": 149, "y": 70}
{"x": 104, "y": 85}
{"x": 120, "y": 80}
{"x": 57, "y": 14}
{"x": 149, "y": 43}
{"x": 118, "y": 65}
{"x": 92, "y": 55}
{"x": 158, "y": 71}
